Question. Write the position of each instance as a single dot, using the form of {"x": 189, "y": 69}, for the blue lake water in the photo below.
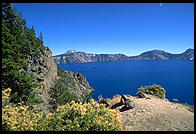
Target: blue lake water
{"x": 125, "y": 77}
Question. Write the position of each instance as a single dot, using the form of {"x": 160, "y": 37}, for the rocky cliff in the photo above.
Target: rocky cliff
{"x": 76, "y": 83}
{"x": 73, "y": 56}
{"x": 45, "y": 71}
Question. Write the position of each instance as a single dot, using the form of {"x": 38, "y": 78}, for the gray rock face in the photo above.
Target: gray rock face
{"x": 73, "y": 56}
{"x": 80, "y": 86}
{"x": 44, "y": 70}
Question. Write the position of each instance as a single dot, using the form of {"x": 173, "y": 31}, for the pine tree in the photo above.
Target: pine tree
{"x": 18, "y": 42}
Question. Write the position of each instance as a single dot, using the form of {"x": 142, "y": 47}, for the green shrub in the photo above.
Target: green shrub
{"x": 155, "y": 90}
{"x": 60, "y": 91}
{"x": 60, "y": 94}
{"x": 33, "y": 99}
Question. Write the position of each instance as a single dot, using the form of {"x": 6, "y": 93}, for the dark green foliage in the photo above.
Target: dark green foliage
{"x": 87, "y": 97}
{"x": 60, "y": 94}
{"x": 18, "y": 42}
{"x": 33, "y": 99}
{"x": 60, "y": 72}
{"x": 66, "y": 80}
{"x": 21, "y": 86}
{"x": 155, "y": 90}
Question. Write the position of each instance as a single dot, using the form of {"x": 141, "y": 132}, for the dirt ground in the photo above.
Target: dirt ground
{"x": 154, "y": 114}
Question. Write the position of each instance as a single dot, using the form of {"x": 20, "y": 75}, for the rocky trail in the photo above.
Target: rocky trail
{"x": 153, "y": 114}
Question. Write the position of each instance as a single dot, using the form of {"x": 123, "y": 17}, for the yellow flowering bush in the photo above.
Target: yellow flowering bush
{"x": 89, "y": 116}
{"x": 5, "y": 96}
{"x": 6, "y": 93}
{"x": 71, "y": 116}
{"x": 18, "y": 117}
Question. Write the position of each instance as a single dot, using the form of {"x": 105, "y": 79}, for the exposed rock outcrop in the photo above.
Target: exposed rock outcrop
{"x": 44, "y": 70}
{"x": 142, "y": 95}
{"x": 127, "y": 102}
{"x": 102, "y": 100}
{"x": 81, "y": 86}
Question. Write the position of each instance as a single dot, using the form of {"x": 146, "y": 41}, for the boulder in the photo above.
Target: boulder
{"x": 128, "y": 95}
{"x": 123, "y": 99}
{"x": 102, "y": 100}
{"x": 142, "y": 95}
{"x": 128, "y": 104}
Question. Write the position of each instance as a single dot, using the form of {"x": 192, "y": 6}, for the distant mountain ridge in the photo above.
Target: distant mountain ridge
{"x": 162, "y": 55}
{"x": 73, "y": 56}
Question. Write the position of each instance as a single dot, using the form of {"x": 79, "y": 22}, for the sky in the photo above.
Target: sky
{"x": 112, "y": 28}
